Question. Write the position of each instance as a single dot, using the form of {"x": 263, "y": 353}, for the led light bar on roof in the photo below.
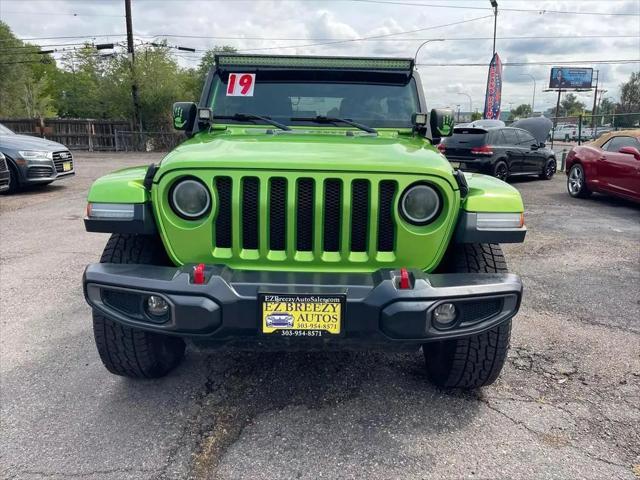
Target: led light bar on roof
{"x": 315, "y": 62}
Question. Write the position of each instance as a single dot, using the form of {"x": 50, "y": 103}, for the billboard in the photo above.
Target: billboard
{"x": 570, "y": 77}
{"x": 494, "y": 89}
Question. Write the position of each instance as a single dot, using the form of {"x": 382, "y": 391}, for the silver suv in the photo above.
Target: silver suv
{"x": 33, "y": 160}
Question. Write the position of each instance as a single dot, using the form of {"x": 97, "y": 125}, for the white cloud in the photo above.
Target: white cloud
{"x": 302, "y": 21}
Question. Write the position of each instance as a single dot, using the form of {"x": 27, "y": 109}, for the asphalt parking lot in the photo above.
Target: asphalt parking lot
{"x": 566, "y": 406}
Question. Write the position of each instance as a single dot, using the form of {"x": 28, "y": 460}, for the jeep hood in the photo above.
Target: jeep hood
{"x": 300, "y": 150}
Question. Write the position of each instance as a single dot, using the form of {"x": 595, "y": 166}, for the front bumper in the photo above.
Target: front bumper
{"x": 36, "y": 172}
{"x": 226, "y": 309}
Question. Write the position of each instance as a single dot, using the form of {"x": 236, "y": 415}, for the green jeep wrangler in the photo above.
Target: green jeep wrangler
{"x": 309, "y": 209}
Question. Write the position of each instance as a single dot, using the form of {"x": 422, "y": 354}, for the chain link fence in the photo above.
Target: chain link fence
{"x": 585, "y": 128}
{"x": 569, "y": 131}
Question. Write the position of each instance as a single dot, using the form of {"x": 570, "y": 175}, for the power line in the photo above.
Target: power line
{"x": 539, "y": 11}
{"x": 66, "y": 37}
{"x": 415, "y": 39}
{"x": 521, "y": 64}
{"x": 63, "y": 14}
{"x": 22, "y": 48}
{"x": 335, "y": 42}
{"x": 364, "y": 39}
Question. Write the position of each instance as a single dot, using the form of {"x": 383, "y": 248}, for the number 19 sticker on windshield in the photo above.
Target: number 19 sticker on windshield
{"x": 241, "y": 84}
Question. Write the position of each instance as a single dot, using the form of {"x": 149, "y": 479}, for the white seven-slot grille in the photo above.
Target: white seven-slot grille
{"x": 304, "y": 214}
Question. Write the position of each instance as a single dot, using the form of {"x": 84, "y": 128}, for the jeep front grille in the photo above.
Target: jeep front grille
{"x": 304, "y": 218}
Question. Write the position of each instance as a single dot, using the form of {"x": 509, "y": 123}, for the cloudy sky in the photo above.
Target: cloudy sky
{"x": 528, "y": 31}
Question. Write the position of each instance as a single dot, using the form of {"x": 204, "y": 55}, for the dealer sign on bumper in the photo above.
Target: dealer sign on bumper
{"x": 302, "y": 315}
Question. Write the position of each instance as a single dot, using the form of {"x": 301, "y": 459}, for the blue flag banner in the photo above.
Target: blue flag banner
{"x": 494, "y": 89}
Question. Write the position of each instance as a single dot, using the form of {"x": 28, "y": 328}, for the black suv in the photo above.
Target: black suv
{"x": 501, "y": 151}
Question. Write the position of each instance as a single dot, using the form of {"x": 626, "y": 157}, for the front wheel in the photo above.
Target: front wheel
{"x": 549, "y": 169}
{"x": 127, "y": 351}
{"x": 474, "y": 361}
{"x": 14, "y": 181}
{"x": 577, "y": 182}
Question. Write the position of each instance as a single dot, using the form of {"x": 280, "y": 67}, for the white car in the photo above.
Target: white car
{"x": 565, "y": 132}
{"x": 280, "y": 320}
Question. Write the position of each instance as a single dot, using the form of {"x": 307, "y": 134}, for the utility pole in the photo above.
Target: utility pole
{"x": 137, "y": 120}
{"x": 494, "y": 4}
{"x": 595, "y": 101}
{"x": 555, "y": 118}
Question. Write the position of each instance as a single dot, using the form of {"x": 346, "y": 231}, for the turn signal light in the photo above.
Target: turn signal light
{"x": 499, "y": 221}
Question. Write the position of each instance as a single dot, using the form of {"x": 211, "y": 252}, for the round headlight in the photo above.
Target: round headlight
{"x": 190, "y": 199}
{"x": 420, "y": 204}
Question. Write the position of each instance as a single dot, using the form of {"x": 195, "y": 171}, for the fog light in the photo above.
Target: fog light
{"x": 444, "y": 315}
{"x": 157, "y": 306}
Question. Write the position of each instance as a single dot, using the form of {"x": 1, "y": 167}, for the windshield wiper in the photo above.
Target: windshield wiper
{"x": 243, "y": 117}
{"x": 322, "y": 119}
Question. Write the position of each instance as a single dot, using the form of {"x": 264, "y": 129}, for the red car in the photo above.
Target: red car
{"x": 609, "y": 165}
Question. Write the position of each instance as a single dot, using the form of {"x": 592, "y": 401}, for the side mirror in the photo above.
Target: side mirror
{"x": 441, "y": 122}
{"x": 542, "y": 145}
{"x": 535, "y": 146}
{"x": 630, "y": 151}
{"x": 184, "y": 114}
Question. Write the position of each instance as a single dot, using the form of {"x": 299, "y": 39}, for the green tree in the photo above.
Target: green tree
{"x": 522, "y": 111}
{"x": 22, "y": 69}
{"x": 80, "y": 85}
{"x": 629, "y": 102}
{"x": 194, "y": 78}
{"x": 89, "y": 84}
{"x": 570, "y": 106}
{"x": 606, "y": 109}
{"x": 476, "y": 116}
{"x": 37, "y": 102}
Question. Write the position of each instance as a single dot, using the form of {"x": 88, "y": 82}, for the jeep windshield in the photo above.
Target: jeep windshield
{"x": 371, "y": 99}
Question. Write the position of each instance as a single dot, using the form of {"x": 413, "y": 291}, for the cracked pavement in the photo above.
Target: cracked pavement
{"x": 567, "y": 404}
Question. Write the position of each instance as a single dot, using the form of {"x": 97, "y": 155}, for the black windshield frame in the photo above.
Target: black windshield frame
{"x": 409, "y": 84}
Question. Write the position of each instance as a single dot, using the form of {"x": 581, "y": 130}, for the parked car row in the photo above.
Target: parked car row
{"x": 569, "y": 132}
{"x": 28, "y": 160}
{"x": 610, "y": 165}
{"x": 502, "y": 151}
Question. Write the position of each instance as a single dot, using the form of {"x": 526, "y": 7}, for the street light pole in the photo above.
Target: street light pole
{"x": 533, "y": 99}
{"x": 470, "y": 101}
{"x": 494, "y": 4}
{"x": 415, "y": 57}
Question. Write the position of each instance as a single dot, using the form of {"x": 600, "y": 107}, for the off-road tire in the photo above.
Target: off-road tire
{"x": 549, "y": 169}
{"x": 500, "y": 170}
{"x": 127, "y": 351}
{"x": 474, "y": 361}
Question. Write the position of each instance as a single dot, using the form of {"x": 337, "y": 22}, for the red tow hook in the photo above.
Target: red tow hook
{"x": 405, "y": 282}
{"x": 198, "y": 274}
